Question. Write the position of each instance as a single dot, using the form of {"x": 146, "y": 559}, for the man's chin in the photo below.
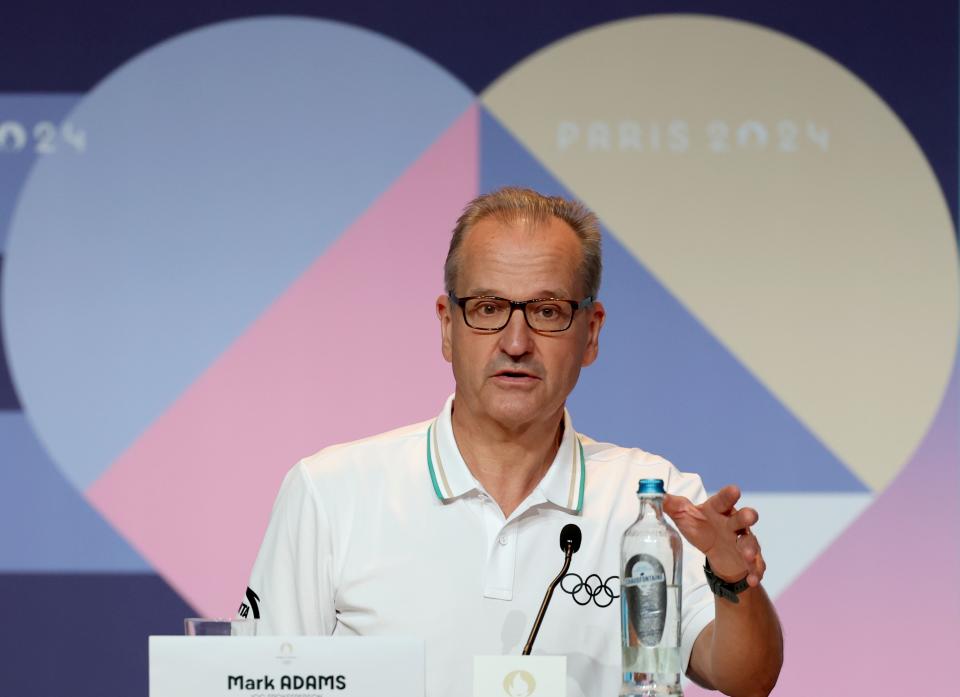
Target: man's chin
{"x": 519, "y": 411}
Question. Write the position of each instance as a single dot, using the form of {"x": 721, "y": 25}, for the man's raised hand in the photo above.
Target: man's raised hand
{"x": 722, "y": 532}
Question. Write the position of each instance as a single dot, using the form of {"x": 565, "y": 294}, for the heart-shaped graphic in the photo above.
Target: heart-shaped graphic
{"x": 241, "y": 266}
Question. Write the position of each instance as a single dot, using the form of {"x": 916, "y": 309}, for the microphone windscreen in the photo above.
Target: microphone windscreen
{"x": 570, "y": 535}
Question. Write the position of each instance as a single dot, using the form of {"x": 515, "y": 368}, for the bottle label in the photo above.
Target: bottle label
{"x": 645, "y": 591}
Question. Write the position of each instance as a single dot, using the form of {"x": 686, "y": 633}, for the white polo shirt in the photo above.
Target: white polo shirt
{"x": 392, "y": 535}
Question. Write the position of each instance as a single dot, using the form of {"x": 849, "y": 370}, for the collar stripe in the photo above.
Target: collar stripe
{"x": 583, "y": 475}
{"x": 444, "y": 492}
{"x": 573, "y": 477}
{"x": 443, "y": 472}
{"x": 433, "y": 455}
{"x": 433, "y": 476}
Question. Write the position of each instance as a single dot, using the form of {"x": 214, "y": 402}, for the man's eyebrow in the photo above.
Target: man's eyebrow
{"x": 540, "y": 294}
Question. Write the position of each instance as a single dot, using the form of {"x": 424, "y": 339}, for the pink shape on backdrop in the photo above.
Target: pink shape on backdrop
{"x": 877, "y": 613}
{"x": 323, "y": 365}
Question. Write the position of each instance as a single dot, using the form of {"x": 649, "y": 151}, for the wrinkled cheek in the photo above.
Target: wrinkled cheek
{"x": 467, "y": 372}
{"x": 572, "y": 375}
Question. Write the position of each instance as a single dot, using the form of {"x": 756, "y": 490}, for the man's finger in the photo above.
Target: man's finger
{"x": 749, "y": 547}
{"x": 743, "y": 519}
{"x": 757, "y": 570}
{"x": 724, "y": 500}
{"x": 679, "y": 506}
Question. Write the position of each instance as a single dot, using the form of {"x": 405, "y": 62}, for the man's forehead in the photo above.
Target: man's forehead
{"x": 542, "y": 292}
{"x": 542, "y": 256}
{"x": 547, "y": 235}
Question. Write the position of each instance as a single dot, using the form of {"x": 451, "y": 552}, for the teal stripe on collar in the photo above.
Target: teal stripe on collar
{"x": 583, "y": 476}
{"x": 433, "y": 475}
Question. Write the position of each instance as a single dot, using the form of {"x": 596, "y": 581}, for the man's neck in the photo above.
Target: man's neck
{"x": 509, "y": 463}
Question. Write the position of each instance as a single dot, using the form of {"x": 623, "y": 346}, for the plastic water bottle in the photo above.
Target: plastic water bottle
{"x": 650, "y": 574}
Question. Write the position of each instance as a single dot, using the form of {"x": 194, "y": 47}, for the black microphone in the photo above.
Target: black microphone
{"x": 570, "y": 538}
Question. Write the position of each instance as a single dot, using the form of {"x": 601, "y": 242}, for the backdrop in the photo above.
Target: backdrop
{"x": 222, "y": 229}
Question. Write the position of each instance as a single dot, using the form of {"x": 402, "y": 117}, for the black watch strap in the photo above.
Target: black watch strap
{"x": 725, "y": 589}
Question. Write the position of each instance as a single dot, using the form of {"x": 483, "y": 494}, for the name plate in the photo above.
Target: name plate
{"x": 238, "y": 666}
{"x": 520, "y": 676}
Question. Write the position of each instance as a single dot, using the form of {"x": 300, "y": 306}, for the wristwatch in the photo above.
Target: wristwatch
{"x": 725, "y": 589}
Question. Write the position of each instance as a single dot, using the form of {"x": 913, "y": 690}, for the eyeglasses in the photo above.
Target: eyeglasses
{"x": 489, "y": 313}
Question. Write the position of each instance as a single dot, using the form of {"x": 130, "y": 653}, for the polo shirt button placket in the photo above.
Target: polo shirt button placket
{"x": 501, "y": 565}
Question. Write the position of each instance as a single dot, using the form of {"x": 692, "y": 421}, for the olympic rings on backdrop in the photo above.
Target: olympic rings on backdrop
{"x": 593, "y": 588}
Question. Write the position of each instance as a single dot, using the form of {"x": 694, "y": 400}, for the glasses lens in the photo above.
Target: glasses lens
{"x": 486, "y": 313}
{"x": 549, "y": 315}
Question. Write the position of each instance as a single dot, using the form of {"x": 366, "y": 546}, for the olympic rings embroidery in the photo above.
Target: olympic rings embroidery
{"x": 599, "y": 591}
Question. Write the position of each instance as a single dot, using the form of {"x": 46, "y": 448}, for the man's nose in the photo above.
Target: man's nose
{"x": 516, "y": 339}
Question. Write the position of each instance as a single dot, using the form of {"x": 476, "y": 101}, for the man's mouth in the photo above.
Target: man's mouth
{"x": 515, "y": 374}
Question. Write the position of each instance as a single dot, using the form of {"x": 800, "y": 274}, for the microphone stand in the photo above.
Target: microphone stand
{"x": 568, "y": 555}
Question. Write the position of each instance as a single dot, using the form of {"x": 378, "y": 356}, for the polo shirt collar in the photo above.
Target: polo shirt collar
{"x": 562, "y": 485}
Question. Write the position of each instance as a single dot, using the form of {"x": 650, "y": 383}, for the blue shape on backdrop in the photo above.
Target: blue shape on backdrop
{"x": 83, "y": 635}
{"x": 663, "y": 382}
{"x": 47, "y": 525}
{"x": 8, "y": 396}
{"x": 669, "y": 385}
{"x": 28, "y": 123}
{"x": 219, "y": 165}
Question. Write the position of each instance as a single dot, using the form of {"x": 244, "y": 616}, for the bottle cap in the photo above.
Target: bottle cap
{"x": 650, "y": 486}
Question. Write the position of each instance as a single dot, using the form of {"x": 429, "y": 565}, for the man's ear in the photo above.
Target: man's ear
{"x": 597, "y": 317}
{"x": 445, "y": 310}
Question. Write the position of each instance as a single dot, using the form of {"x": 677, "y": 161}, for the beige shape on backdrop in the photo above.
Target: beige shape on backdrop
{"x": 777, "y": 197}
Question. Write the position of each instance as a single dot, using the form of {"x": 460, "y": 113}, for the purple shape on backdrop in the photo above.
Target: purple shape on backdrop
{"x": 50, "y": 619}
{"x": 48, "y": 525}
{"x": 663, "y": 381}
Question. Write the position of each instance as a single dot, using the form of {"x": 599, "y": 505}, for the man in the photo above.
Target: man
{"x": 448, "y": 529}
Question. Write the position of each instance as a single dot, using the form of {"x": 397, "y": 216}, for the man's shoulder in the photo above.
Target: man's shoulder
{"x": 389, "y": 447}
{"x": 626, "y": 465}
{"x": 350, "y": 479}
{"x": 602, "y": 453}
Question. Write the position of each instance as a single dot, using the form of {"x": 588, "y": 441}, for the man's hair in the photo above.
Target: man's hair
{"x": 511, "y": 204}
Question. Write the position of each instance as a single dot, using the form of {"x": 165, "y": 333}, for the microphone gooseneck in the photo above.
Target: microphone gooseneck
{"x": 570, "y": 538}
